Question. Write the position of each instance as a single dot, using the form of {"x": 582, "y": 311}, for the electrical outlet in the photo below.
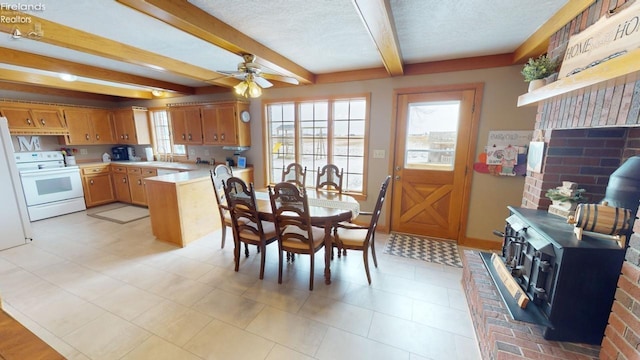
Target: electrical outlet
{"x": 83, "y": 152}
{"x": 378, "y": 154}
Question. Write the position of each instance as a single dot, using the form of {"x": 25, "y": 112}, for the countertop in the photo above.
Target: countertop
{"x": 161, "y": 165}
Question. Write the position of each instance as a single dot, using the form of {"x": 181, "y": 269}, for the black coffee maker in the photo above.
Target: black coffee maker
{"x": 122, "y": 153}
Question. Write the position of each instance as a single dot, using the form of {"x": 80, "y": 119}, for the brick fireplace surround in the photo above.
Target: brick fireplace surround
{"x": 588, "y": 135}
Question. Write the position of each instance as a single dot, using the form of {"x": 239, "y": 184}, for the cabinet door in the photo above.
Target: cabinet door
{"x": 138, "y": 192}
{"x": 78, "y": 126}
{"x": 121, "y": 185}
{"x": 98, "y": 189}
{"x": 123, "y": 123}
{"x": 102, "y": 127}
{"x": 227, "y": 120}
{"x": 210, "y": 125}
{"x": 186, "y": 125}
{"x": 19, "y": 119}
{"x": 49, "y": 120}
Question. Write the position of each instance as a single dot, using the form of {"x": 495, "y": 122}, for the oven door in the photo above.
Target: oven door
{"x": 51, "y": 185}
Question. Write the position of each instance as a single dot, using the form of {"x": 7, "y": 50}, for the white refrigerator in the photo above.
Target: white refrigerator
{"x": 14, "y": 220}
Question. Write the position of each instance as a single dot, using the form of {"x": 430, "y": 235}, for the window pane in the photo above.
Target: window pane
{"x": 432, "y": 130}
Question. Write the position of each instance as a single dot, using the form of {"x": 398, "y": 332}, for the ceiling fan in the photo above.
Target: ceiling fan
{"x": 253, "y": 79}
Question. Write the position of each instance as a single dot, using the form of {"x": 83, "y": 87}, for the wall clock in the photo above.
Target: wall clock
{"x": 245, "y": 116}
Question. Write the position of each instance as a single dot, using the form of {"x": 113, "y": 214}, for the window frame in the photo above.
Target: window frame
{"x": 266, "y": 130}
{"x": 154, "y": 137}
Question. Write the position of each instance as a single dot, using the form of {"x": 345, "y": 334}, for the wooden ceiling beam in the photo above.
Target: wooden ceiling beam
{"x": 54, "y": 82}
{"x": 197, "y": 22}
{"x": 25, "y": 59}
{"x": 70, "y": 38}
{"x": 538, "y": 43}
{"x": 376, "y": 16}
{"x": 76, "y": 95}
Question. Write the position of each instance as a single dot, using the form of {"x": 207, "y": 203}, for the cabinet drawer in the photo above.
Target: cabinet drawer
{"x": 134, "y": 171}
{"x": 146, "y": 172}
{"x": 119, "y": 169}
{"x": 95, "y": 170}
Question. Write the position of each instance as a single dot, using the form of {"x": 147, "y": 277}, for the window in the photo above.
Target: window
{"x": 317, "y": 132}
{"x": 163, "y": 141}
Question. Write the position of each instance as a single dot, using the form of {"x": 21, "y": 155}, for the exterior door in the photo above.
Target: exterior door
{"x": 433, "y": 137}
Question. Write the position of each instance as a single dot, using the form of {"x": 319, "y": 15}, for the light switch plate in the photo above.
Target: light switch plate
{"x": 84, "y": 151}
{"x": 378, "y": 154}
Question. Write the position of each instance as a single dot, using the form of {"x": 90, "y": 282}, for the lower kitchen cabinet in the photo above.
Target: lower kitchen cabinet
{"x": 121, "y": 183}
{"x": 137, "y": 184}
{"x": 97, "y": 185}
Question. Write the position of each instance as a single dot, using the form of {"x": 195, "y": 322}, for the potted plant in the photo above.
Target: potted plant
{"x": 566, "y": 199}
{"x": 535, "y": 70}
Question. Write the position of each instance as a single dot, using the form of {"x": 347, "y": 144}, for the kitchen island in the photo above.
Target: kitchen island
{"x": 183, "y": 206}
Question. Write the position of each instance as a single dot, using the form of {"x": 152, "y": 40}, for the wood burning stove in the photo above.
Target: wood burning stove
{"x": 570, "y": 283}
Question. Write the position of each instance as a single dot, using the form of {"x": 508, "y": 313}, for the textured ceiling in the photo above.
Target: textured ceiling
{"x": 320, "y": 36}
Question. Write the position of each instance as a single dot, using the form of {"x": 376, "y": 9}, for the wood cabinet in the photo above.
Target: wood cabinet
{"x": 88, "y": 127}
{"x": 186, "y": 125}
{"x": 132, "y": 126}
{"x": 121, "y": 183}
{"x": 97, "y": 185}
{"x": 34, "y": 119}
{"x": 222, "y": 125}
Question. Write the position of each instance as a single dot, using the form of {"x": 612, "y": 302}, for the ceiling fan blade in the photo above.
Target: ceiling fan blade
{"x": 262, "y": 82}
{"x": 284, "y": 79}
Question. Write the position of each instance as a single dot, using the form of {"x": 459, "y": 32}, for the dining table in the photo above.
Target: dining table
{"x": 326, "y": 208}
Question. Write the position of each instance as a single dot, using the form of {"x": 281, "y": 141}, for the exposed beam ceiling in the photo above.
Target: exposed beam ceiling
{"x": 377, "y": 18}
{"x": 193, "y": 20}
{"x": 538, "y": 43}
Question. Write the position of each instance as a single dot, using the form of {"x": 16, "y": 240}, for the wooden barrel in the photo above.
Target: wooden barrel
{"x": 602, "y": 219}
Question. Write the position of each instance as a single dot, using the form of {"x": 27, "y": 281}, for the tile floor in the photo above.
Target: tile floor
{"x": 94, "y": 289}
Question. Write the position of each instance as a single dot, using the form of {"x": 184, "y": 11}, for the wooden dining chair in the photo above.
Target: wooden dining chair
{"x": 295, "y": 173}
{"x": 329, "y": 178}
{"x": 354, "y": 237}
{"x": 247, "y": 226}
{"x": 219, "y": 175}
{"x": 290, "y": 209}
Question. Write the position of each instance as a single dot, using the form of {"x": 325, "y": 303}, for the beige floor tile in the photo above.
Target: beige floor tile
{"x": 280, "y": 352}
{"x": 107, "y": 337}
{"x": 458, "y": 300}
{"x": 230, "y": 308}
{"x": 173, "y": 322}
{"x": 467, "y": 349}
{"x": 337, "y": 314}
{"x": 380, "y": 301}
{"x": 293, "y": 331}
{"x": 413, "y": 289}
{"x": 413, "y": 337}
{"x": 277, "y": 295}
{"x": 155, "y": 348}
{"x": 134, "y": 273}
{"x": 223, "y": 341}
{"x": 79, "y": 280}
{"x": 228, "y": 280}
{"x": 443, "y": 317}
{"x": 338, "y": 344}
{"x": 128, "y": 301}
{"x": 180, "y": 289}
{"x": 440, "y": 278}
{"x": 178, "y": 265}
{"x": 30, "y": 257}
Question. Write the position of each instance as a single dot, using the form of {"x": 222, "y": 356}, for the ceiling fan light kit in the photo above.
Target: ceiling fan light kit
{"x": 248, "y": 87}
{"x": 253, "y": 78}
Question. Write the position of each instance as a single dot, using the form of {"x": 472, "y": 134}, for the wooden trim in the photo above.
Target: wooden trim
{"x": 21, "y": 58}
{"x": 480, "y": 243}
{"x": 54, "y": 82}
{"x": 195, "y": 21}
{"x": 34, "y": 89}
{"x": 471, "y": 63}
{"x": 538, "y": 42}
{"x": 356, "y": 75}
{"x": 377, "y": 18}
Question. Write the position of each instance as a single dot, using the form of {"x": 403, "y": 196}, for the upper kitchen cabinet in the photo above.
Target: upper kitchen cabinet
{"x": 186, "y": 125}
{"x": 88, "y": 127}
{"x": 226, "y": 124}
{"x": 132, "y": 126}
{"x": 34, "y": 119}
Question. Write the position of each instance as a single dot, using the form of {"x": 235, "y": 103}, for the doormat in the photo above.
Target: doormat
{"x": 433, "y": 250}
{"x": 122, "y": 215}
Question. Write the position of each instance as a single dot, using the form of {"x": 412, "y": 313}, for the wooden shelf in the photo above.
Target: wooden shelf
{"x": 620, "y": 69}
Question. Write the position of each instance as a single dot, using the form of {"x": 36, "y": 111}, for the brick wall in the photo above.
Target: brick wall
{"x": 588, "y": 135}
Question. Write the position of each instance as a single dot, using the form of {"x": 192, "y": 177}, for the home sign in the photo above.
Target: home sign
{"x": 610, "y": 37}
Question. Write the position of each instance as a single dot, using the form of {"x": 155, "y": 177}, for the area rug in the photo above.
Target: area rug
{"x": 422, "y": 248}
{"x": 122, "y": 215}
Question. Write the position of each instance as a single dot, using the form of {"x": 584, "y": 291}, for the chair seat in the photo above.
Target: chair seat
{"x": 316, "y": 232}
{"x": 268, "y": 228}
{"x": 352, "y": 237}
{"x": 229, "y": 222}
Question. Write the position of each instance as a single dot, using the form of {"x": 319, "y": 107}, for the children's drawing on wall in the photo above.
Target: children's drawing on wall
{"x": 505, "y": 153}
